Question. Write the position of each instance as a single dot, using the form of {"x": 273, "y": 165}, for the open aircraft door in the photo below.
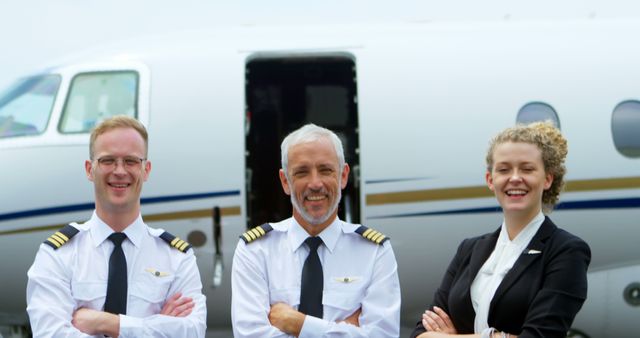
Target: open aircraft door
{"x": 283, "y": 93}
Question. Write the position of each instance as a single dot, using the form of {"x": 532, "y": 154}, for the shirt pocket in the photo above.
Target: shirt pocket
{"x": 149, "y": 292}
{"x": 89, "y": 294}
{"x": 289, "y": 296}
{"x": 342, "y": 302}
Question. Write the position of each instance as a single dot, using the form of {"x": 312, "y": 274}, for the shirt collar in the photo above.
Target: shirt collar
{"x": 101, "y": 230}
{"x": 524, "y": 237}
{"x": 329, "y": 236}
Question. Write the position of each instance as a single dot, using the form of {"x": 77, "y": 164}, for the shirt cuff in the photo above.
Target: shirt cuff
{"x": 313, "y": 327}
{"x": 130, "y": 326}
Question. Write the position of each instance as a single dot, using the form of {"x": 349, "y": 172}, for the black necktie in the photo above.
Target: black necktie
{"x": 312, "y": 281}
{"x": 116, "y": 301}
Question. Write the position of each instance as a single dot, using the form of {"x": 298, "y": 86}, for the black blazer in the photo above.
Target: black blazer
{"x": 539, "y": 297}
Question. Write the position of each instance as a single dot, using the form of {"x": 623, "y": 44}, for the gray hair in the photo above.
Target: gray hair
{"x": 310, "y": 133}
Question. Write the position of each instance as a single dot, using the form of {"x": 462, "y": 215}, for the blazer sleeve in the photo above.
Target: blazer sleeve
{"x": 563, "y": 289}
{"x": 441, "y": 296}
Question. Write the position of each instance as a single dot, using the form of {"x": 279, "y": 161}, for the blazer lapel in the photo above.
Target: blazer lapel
{"x": 529, "y": 255}
{"x": 481, "y": 253}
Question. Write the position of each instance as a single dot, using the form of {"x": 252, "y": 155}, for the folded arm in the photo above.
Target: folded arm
{"x": 49, "y": 301}
{"x": 380, "y": 306}
{"x": 183, "y": 315}
{"x": 53, "y": 311}
{"x": 250, "y": 297}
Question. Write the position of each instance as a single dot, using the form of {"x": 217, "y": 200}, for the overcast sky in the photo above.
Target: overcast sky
{"x": 35, "y": 32}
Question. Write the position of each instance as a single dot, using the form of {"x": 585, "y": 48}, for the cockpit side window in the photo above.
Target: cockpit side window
{"x": 94, "y": 97}
{"x": 25, "y": 108}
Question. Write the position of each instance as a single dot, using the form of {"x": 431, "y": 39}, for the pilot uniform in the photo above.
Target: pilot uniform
{"x": 359, "y": 272}
{"x": 71, "y": 268}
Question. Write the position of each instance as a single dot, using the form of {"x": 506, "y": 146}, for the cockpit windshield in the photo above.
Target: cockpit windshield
{"x": 26, "y": 106}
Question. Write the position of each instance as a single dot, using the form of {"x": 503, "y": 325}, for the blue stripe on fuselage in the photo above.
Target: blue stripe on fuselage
{"x": 90, "y": 206}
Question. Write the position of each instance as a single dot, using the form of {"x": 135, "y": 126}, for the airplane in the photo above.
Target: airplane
{"x": 414, "y": 103}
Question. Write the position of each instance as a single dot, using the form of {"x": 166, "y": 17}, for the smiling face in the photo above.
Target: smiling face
{"x": 314, "y": 181}
{"x": 518, "y": 179}
{"x": 118, "y": 188}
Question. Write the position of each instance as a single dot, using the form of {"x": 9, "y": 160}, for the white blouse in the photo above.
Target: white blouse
{"x": 492, "y": 273}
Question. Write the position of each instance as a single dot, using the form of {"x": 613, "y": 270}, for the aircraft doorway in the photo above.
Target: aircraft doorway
{"x": 282, "y": 94}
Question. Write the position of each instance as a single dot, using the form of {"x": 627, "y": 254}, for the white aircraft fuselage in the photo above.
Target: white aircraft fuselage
{"x": 415, "y": 104}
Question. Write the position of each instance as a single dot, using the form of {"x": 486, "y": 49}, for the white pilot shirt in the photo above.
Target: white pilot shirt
{"x": 492, "y": 272}
{"x": 75, "y": 276}
{"x": 357, "y": 274}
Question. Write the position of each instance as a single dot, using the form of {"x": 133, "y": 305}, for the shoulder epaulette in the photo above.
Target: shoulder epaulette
{"x": 175, "y": 242}
{"x": 255, "y": 233}
{"x": 372, "y": 235}
{"x": 61, "y": 237}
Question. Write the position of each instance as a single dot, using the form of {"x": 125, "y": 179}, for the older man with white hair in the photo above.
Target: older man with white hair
{"x": 314, "y": 275}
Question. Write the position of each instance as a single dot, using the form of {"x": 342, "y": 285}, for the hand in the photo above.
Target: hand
{"x": 94, "y": 322}
{"x": 438, "y": 320}
{"x": 353, "y": 318}
{"x": 178, "y": 306}
{"x": 286, "y": 319}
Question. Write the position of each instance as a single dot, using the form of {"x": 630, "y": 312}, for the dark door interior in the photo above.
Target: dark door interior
{"x": 282, "y": 94}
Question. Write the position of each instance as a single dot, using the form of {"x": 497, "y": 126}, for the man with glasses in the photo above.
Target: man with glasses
{"x": 114, "y": 275}
{"x": 313, "y": 275}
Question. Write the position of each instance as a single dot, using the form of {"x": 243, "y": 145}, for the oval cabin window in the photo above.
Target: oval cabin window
{"x": 537, "y": 111}
{"x": 625, "y": 128}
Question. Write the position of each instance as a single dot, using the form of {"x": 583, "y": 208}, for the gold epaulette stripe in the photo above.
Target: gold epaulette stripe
{"x": 367, "y": 232}
{"x": 179, "y": 244}
{"x": 376, "y": 236}
{"x": 175, "y": 242}
{"x": 61, "y": 235}
{"x": 255, "y": 233}
{"x": 372, "y": 235}
{"x": 252, "y": 234}
{"x": 54, "y": 242}
{"x": 56, "y": 239}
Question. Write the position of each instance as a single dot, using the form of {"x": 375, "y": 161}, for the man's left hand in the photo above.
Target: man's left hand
{"x": 286, "y": 318}
{"x": 94, "y": 322}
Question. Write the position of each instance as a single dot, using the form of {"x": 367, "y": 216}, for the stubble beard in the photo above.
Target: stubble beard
{"x": 316, "y": 220}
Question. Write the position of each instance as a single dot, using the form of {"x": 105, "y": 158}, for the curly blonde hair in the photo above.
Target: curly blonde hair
{"x": 553, "y": 147}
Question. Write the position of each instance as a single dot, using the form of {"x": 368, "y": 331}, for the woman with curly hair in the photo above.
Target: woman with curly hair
{"x": 529, "y": 277}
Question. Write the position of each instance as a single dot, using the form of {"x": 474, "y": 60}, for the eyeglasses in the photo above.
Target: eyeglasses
{"x": 130, "y": 163}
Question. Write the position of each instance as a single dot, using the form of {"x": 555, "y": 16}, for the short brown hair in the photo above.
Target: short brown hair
{"x": 553, "y": 147}
{"x": 118, "y": 121}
